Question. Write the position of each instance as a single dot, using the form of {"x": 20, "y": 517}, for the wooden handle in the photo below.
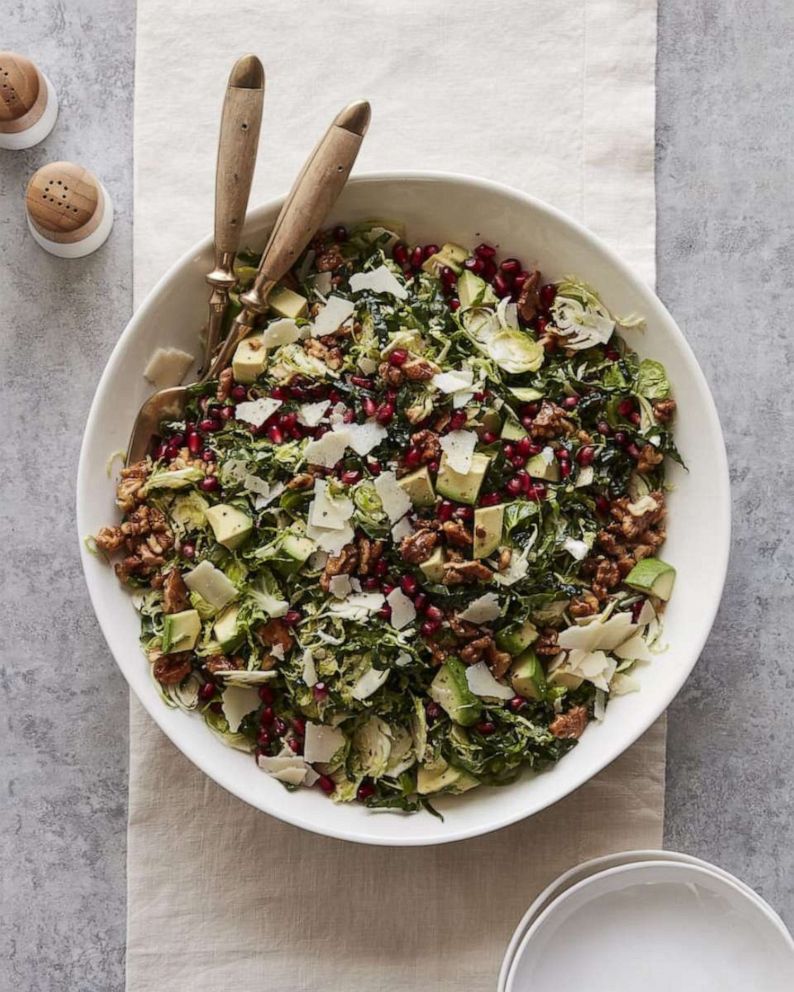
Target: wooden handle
{"x": 239, "y": 137}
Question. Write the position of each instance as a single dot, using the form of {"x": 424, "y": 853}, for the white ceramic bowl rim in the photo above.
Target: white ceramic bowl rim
{"x": 565, "y": 784}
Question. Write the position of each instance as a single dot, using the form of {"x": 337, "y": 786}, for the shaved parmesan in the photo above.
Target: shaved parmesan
{"x": 396, "y": 502}
{"x": 256, "y": 412}
{"x": 380, "y": 280}
{"x": 328, "y": 449}
{"x": 453, "y": 381}
{"x": 597, "y": 635}
{"x": 237, "y": 702}
{"x": 322, "y": 283}
{"x": 369, "y": 683}
{"x": 515, "y": 571}
{"x": 459, "y": 448}
{"x": 291, "y": 771}
{"x": 310, "y": 414}
{"x": 585, "y": 477}
{"x": 265, "y": 499}
{"x": 364, "y": 437}
{"x": 576, "y": 549}
{"x": 211, "y": 584}
{"x": 358, "y": 606}
{"x": 634, "y": 648}
{"x": 482, "y": 683}
{"x": 622, "y": 683}
{"x": 309, "y": 669}
{"x": 403, "y": 659}
{"x": 236, "y": 677}
{"x": 403, "y": 528}
{"x": 321, "y": 743}
{"x": 280, "y": 332}
{"x": 482, "y": 610}
{"x": 460, "y": 399}
{"x": 167, "y": 367}
{"x": 647, "y": 613}
{"x": 335, "y": 312}
{"x": 367, "y": 365}
{"x": 592, "y": 666}
{"x": 340, "y": 586}
{"x": 403, "y": 610}
{"x": 330, "y": 540}
{"x": 329, "y": 512}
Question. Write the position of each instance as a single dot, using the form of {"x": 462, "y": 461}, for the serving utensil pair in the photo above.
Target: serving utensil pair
{"x": 312, "y": 195}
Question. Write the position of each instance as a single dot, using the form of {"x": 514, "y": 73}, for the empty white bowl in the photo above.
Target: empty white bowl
{"x": 433, "y": 207}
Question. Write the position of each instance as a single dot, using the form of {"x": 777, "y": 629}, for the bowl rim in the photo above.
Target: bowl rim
{"x": 720, "y": 496}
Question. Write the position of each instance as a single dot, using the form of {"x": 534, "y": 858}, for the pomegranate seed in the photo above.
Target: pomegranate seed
{"x": 295, "y": 745}
{"x": 287, "y": 420}
{"x": 433, "y": 710}
{"x": 365, "y": 790}
{"x": 500, "y": 285}
{"x": 485, "y": 727}
{"x": 420, "y": 600}
{"x": 339, "y": 233}
{"x": 227, "y": 413}
{"x": 489, "y": 270}
{"x": 278, "y": 393}
{"x": 381, "y": 567}
{"x": 274, "y": 434}
{"x": 188, "y": 550}
{"x": 429, "y": 627}
{"x": 518, "y": 282}
{"x": 160, "y": 452}
{"x": 413, "y": 457}
{"x": 429, "y": 250}
{"x": 454, "y": 303}
{"x": 523, "y": 479}
{"x": 458, "y": 420}
{"x": 561, "y": 454}
{"x": 417, "y": 257}
{"x": 280, "y": 726}
{"x": 603, "y": 428}
{"x": 176, "y": 440}
{"x": 511, "y": 267}
{"x": 524, "y": 446}
{"x": 216, "y": 708}
{"x": 490, "y": 499}
{"x": 488, "y": 437}
{"x": 208, "y": 455}
{"x": 209, "y": 484}
{"x": 320, "y": 691}
{"x": 585, "y": 455}
{"x": 433, "y": 466}
{"x": 369, "y": 406}
{"x": 484, "y": 251}
{"x": 570, "y": 402}
{"x": 291, "y": 617}
{"x": 348, "y": 416}
{"x": 351, "y": 477}
{"x": 513, "y": 487}
{"x": 194, "y": 443}
{"x": 398, "y": 357}
{"x": 538, "y": 492}
{"x": 266, "y": 694}
{"x": 602, "y": 505}
{"x": 625, "y": 407}
{"x": 479, "y": 396}
{"x": 464, "y": 513}
{"x": 326, "y": 784}
{"x": 267, "y": 715}
{"x": 475, "y": 265}
{"x": 621, "y": 439}
{"x": 400, "y": 253}
{"x": 409, "y": 585}
{"x": 635, "y": 418}
{"x": 541, "y": 322}
{"x": 636, "y": 610}
{"x": 433, "y": 613}
{"x": 547, "y": 294}
{"x": 449, "y": 279}
{"x": 388, "y": 587}
{"x": 385, "y": 413}
{"x": 509, "y": 451}
{"x": 612, "y": 355}
{"x": 530, "y": 410}
{"x": 238, "y": 393}
{"x": 362, "y": 382}
{"x": 209, "y": 426}
{"x": 385, "y": 612}
{"x": 374, "y": 466}
{"x": 565, "y": 469}
{"x": 299, "y": 726}
{"x": 370, "y": 583}
{"x": 517, "y": 461}
{"x": 516, "y": 704}
{"x": 264, "y": 737}
{"x": 633, "y": 451}
{"x": 445, "y": 509}
{"x": 206, "y": 692}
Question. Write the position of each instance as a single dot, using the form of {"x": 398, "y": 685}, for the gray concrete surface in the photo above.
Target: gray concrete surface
{"x": 725, "y": 147}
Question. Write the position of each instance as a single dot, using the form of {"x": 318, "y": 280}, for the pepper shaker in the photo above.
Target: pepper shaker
{"x": 69, "y": 211}
{"x": 28, "y": 103}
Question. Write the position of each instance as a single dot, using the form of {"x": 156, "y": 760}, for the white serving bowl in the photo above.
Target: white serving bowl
{"x": 433, "y": 207}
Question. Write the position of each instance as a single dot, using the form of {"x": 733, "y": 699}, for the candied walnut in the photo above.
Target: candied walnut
{"x": 428, "y": 444}
{"x": 458, "y": 573}
{"x": 438, "y": 653}
{"x": 223, "y": 663}
{"x": 441, "y": 421}
{"x": 570, "y": 726}
{"x": 369, "y": 552}
{"x": 474, "y": 650}
{"x": 649, "y": 458}
{"x": 584, "y": 605}
{"x": 419, "y": 369}
{"x": 144, "y": 521}
{"x": 109, "y": 539}
{"x": 505, "y": 557}
{"x": 303, "y": 481}
{"x": 634, "y": 518}
{"x": 390, "y": 374}
{"x": 345, "y": 563}
{"x": 663, "y": 410}
{"x": 418, "y": 547}
{"x": 463, "y": 629}
{"x": 128, "y": 490}
{"x": 276, "y": 633}
{"x": 529, "y": 298}
{"x": 456, "y": 534}
{"x": 583, "y": 437}
{"x": 332, "y": 356}
{"x": 329, "y": 257}
{"x": 498, "y": 661}
{"x": 550, "y": 422}
{"x": 607, "y": 575}
{"x": 546, "y": 645}
{"x": 225, "y": 382}
{"x": 175, "y": 595}
{"x": 171, "y": 669}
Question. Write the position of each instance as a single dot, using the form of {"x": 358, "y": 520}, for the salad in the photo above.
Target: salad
{"x": 408, "y": 542}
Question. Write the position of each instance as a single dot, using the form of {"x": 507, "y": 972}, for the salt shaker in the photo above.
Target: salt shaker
{"x": 28, "y": 103}
{"x": 69, "y": 211}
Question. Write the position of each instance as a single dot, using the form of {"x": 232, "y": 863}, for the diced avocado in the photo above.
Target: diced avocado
{"x": 297, "y": 548}
{"x": 652, "y": 576}
{"x": 540, "y": 468}
{"x": 487, "y": 529}
{"x": 452, "y": 256}
{"x": 474, "y": 291}
{"x": 249, "y": 360}
{"x": 527, "y": 676}
{"x": 512, "y": 429}
{"x": 434, "y": 566}
{"x": 419, "y": 487}
{"x": 462, "y": 488}
{"x": 517, "y": 637}
{"x": 451, "y": 691}
{"x": 180, "y": 631}
{"x": 288, "y": 304}
{"x": 565, "y": 680}
{"x": 226, "y": 631}
{"x": 230, "y": 525}
{"x": 491, "y": 421}
{"x": 444, "y": 778}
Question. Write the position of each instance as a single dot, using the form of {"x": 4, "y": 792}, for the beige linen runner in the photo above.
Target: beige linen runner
{"x": 556, "y": 98}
